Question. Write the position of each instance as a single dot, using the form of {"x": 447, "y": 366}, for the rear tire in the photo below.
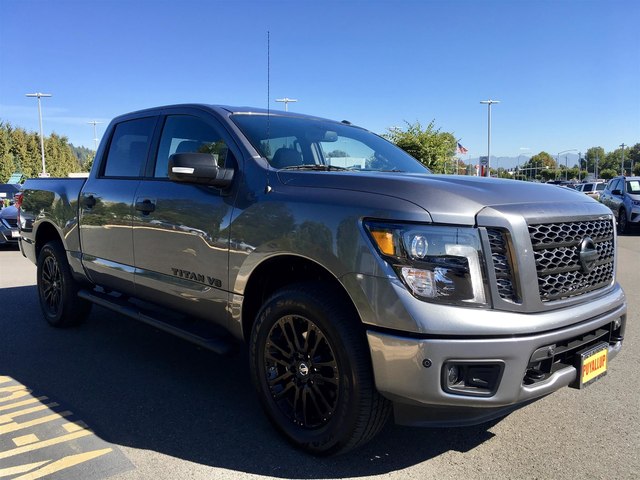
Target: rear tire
{"x": 57, "y": 289}
{"x": 311, "y": 365}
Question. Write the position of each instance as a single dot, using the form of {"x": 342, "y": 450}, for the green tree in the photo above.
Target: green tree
{"x": 7, "y": 165}
{"x": 593, "y": 155}
{"x": 540, "y": 166}
{"x": 608, "y": 173}
{"x": 429, "y": 145}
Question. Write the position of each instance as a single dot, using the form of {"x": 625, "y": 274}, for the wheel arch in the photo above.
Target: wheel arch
{"x": 277, "y": 272}
{"x": 46, "y": 233}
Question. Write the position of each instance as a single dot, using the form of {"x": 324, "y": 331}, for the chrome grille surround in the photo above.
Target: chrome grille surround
{"x": 556, "y": 249}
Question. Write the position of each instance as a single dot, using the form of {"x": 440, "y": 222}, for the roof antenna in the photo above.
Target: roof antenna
{"x": 268, "y": 188}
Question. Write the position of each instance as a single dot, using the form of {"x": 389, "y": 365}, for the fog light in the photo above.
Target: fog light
{"x": 472, "y": 378}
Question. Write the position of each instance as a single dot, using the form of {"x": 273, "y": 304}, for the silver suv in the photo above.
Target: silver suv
{"x": 593, "y": 189}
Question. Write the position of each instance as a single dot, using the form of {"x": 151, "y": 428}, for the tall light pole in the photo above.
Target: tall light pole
{"x": 95, "y": 134}
{"x": 286, "y": 101}
{"x": 39, "y": 96}
{"x": 489, "y": 103}
{"x": 622, "y": 169}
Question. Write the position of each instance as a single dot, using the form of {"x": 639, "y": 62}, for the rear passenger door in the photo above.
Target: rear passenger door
{"x": 106, "y": 204}
{"x": 180, "y": 232}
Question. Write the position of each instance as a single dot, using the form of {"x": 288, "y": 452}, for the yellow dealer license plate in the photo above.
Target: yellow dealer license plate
{"x": 593, "y": 364}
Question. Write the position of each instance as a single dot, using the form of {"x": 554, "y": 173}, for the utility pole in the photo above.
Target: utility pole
{"x": 286, "y": 101}
{"x": 95, "y": 134}
{"x": 622, "y": 165}
{"x": 489, "y": 103}
{"x": 39, "y": 96}
{"x": 565, "y": 162}
{"x": 580, "y": 166}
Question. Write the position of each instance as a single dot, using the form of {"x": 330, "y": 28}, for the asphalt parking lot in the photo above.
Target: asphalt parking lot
{"x": 118, "y": 399}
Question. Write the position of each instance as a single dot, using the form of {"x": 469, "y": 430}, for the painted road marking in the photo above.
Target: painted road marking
{"x": 8, "y": 472}
{"x": 36, "y": 441}
{"x": 25, "y": 440}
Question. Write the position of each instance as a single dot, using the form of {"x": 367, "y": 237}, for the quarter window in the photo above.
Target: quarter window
{"x": 129, "y": 146}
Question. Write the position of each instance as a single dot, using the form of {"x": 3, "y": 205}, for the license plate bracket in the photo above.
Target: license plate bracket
{"x": 592, "y": 364}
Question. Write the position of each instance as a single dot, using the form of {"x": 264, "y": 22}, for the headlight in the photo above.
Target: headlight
{"x": 437, "y": 264}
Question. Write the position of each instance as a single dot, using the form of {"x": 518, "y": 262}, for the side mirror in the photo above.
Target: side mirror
{"x": 200, "y": 168}
{"x": 616, "y": 192}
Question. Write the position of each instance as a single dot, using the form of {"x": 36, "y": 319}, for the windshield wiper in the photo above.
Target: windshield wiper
{"x": 315, "y": 167}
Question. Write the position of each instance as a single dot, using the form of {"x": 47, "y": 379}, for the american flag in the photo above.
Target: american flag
{"x": 461, "y": 149}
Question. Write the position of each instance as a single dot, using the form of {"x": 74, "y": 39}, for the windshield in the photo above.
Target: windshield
{"x": 633, "y": 186}
{"x": 306, "y": 143}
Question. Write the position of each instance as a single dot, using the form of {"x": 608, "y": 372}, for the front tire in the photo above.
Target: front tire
{"x": 311, "y": 366}
{"x": 57, "y": 290}
{"x": 623, "y": 224}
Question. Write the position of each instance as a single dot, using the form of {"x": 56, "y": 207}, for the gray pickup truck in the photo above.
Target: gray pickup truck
{"x": 362, "y": 284}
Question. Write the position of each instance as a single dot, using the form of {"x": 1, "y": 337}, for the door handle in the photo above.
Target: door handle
{"x": 90, "y": 201}
{"x": 146, "y": 206}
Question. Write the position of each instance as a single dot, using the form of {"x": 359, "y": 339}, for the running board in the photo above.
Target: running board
{"x": 215, "y": 343}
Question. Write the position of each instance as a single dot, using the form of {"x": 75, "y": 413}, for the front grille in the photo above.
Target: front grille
{"x": 556, "y": 248}
{"x": 502, "y": 264}
{"x": 13, "y": 223}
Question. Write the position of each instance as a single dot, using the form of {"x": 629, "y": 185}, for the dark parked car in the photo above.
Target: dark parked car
{"x": 9, "y": 233}
{"x": 622, "y": 196}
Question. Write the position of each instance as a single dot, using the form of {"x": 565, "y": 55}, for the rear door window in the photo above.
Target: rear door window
{"x": 128, "y": 148}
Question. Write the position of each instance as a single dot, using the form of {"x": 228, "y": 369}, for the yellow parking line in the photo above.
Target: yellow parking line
{"x": 75, "y": 426}
{"x": 23, "y": 403}
{"x": 19, "y": 391}
{"x": 7, "y": 472}
{"x": 12, "y": 427}
{"x": 25, "y": 440}
{"x": 63, "y": 463}
{"x": 5, "y": 379}
{"x": 44, "y": 443}
{"x": 7, "y": 417}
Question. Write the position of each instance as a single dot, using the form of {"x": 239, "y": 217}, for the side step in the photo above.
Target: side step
{"x": 213, "y": 341}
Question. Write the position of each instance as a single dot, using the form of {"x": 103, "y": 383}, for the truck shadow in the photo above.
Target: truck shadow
{"x": 138, "y": 387}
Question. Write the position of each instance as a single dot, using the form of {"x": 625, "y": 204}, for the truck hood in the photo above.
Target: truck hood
{"x": 447, "y": 198}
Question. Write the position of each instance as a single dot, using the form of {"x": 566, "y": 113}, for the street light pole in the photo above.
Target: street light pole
{"x": 622, "y": 169}
{"x": 39, "y": 95}
{"x": 95, "y": 134}
{"x": 489, "y": 103}
{"x": 286, "y": 101}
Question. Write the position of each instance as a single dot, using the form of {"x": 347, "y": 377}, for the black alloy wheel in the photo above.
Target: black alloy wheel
{"x": 57, "y": 289}
{"x": 51, "y": 289}
{"x": 311, "y": 365}
{"x": 301, "y": 371}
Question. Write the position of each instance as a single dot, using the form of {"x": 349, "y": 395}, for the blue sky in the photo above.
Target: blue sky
{"x": 567, "y": 73}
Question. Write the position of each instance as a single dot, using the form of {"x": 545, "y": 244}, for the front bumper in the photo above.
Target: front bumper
{"x": 8, "y": 235}
{"x": 409, "y": 370}
{"x": 634, "y": 215}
